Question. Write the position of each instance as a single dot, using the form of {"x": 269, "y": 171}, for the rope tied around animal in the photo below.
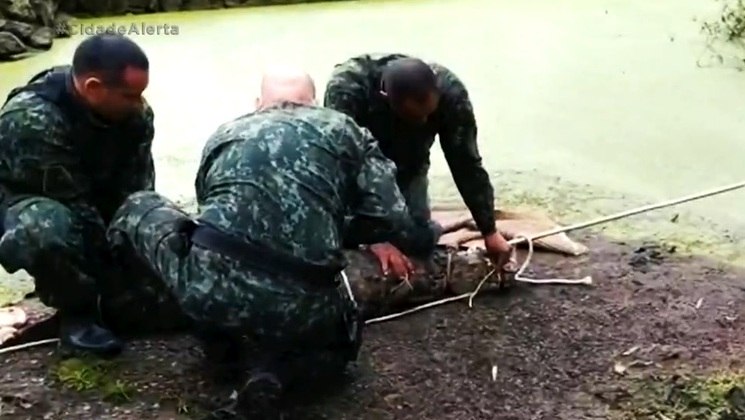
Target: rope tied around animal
{"x": 522, "y": 238}
{"x": 518, "y": 276}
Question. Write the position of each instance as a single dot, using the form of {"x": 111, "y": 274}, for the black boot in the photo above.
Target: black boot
{"x": 260, "y": 397}
{"x": 224, "y": 354}
{"x": 83, "y": 334}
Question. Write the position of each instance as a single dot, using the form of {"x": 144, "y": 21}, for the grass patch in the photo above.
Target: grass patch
{"x": 83, "y": 374}
{"x": 13, "y": 287}
{"x": 720, "y": 396}
{"x": 726, "y": 32}
{"x": 730, "y": 26}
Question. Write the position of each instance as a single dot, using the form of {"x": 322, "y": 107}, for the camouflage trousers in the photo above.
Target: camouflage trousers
{"x": 43, "y": 237}
{"x": 73, "y": 268}
{"x": 300, "y": 332}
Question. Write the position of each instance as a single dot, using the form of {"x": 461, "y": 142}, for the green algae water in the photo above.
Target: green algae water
{"x": 584, "y": 107}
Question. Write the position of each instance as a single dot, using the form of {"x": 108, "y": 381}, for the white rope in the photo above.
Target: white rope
{"x": 348, "y": 286}
{"x": 521, "y": 238}
{"x": 28, "y": 345}
{"x": 524, "y": 266}
{"x": 471, "y": 295}
{"x": 518, "y": 276}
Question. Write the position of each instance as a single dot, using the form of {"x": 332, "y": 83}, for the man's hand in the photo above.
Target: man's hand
{"x": 392, "y": 261}
{"x": 500, "y": 251}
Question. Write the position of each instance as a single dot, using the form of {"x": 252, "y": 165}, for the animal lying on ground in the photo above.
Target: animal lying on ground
{"x": 456, "y": 267}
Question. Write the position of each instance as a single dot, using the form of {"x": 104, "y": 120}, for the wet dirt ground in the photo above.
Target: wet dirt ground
{"x": 558, "y": 351}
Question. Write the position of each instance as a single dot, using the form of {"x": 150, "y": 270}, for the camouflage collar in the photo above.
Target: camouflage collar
{"x": 286, "y": 105}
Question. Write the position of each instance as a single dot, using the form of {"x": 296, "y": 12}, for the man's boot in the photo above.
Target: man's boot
{"x": 81, "y": 334}
{"x": 260, "y": 396}
{"x": 62, "y": 285}
{"x": 224, "y": 353}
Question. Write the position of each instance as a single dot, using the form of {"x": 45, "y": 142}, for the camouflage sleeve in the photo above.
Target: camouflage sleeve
{"x": 138, "y": 172}
{"x": 40, "y": 160}
{"x": 458, "y": 141}
{"x": 347, "y": 90}
{"x": 381, "y": 214}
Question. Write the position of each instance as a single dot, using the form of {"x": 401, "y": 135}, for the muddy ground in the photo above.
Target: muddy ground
{"x": 559, "y": 352}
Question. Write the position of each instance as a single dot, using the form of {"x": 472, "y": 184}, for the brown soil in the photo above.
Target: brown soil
{"x": 557, "y": 350}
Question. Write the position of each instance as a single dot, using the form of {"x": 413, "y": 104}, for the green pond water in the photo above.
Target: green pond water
{"x": 584, "y": 106}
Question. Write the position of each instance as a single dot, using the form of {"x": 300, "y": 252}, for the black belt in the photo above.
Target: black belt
{"x": 263, "y": 258}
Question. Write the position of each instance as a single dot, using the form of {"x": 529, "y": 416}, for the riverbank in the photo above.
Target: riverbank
{"x": 659, "y": 333}
{"x": 32, "y": 27}
{"x": 582, "y": 110}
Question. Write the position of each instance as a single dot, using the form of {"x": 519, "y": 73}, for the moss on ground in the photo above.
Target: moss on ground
{"x": 718, "y": 396}
{"x": 94, "y": 375}
{"x": 9, "y": 296}
{"x": 13, "y": 287}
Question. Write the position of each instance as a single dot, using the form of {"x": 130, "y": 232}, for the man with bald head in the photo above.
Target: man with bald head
{"x": 74, "y": 142}
{"x": 263, "y": 257}
{"x": 286, "y": 84}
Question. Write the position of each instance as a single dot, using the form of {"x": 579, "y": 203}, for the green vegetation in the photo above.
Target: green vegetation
{"x": 727, "y": 30}
{"x": 94, "y": 375}
{"x": 720, "y": 396}
{"x": 13, "y": 287}
{"x": 731, "y": 24}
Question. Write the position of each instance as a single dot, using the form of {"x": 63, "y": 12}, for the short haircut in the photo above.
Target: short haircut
{"x": 408, "y": 78}
{"x": 108, "y": 55}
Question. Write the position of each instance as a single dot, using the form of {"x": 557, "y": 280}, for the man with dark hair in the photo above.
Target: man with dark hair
{"x": 263, "y": 258}
{"x": 74, "y": 142}
{"x": 405, "y": 103}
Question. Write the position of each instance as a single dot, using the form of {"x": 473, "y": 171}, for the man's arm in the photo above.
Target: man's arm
{"x": 39, "y": 159}
{"x": 347, "y": 90}
{"x": 380, "y": 213}
{"x": 459, "y": 146}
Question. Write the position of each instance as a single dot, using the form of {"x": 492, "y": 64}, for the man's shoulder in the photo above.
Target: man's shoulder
{"x": 370, "y": 61}
{"x": 29, "y": 110}
{"x": 322, "y": 118}
{"x": 448, "y": 81}
{"x": 364, "y": 67}
{"x": 328, "y": 117}
{"x": 148, "y": 115}
{"x": 316, "y": 125}
{"x": 248, "y": 126}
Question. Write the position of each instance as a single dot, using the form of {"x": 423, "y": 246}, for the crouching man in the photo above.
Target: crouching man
{"x": 74, "y": 143}
{"x": 264, "y": 256}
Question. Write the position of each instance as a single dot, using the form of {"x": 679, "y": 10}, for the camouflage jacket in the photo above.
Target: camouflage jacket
{"x": 52, "y": 146}
{"x": 287, "y": 176}
{"x": 354, "y": 89}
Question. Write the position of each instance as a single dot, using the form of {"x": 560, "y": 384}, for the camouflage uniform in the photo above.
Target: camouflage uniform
{"x": 354, "y": 89}
{"x": 281, "y": 179}
{"x": 63, "y": 173}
